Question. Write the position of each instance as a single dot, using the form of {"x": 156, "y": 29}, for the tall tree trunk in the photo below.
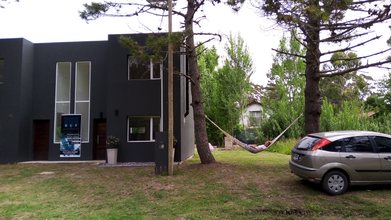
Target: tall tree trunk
{"x": 313, "y": 103}
{"x": 201, "y": 137}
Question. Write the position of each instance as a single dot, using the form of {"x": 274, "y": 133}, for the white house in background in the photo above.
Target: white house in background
{"x": 251, "y": 115}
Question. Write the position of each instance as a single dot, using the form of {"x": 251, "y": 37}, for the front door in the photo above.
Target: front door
{"x": 99, "y": 139}
{"x": 40, "y": 139}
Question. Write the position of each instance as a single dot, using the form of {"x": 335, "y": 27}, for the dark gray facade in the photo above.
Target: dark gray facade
{"x": 29, "y": 101}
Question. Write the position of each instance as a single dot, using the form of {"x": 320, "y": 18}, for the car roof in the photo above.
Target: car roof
{"x": 335, "y": 135}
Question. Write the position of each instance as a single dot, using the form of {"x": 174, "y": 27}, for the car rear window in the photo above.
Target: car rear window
{"x": 306, "y": 143}
{"x": 335, "y": 146}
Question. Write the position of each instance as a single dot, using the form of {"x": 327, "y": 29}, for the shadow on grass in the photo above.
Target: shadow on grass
{"x": 372, "y": 187}
{"x": 316, "y": 187}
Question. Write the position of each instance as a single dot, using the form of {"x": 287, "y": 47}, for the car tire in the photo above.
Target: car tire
{"x": 335, "y": 183}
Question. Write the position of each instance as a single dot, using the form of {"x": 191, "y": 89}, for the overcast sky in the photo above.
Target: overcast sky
{"x": 59, "y": 21}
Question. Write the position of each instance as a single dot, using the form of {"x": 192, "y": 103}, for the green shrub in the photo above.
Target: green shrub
{"x": 283, "y": 146}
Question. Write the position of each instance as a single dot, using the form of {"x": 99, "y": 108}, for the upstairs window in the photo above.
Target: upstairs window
{"x": 139, "y": 69}
{"x": 2, "y": 71}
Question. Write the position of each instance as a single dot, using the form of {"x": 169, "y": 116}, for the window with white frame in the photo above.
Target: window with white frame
{"x": 82, "y": 96}
{"x": 62, "y": 96}
{"x": 139, "y": 69}
{"x": 142, "y": 128}
{"x": 81, "y": 104}
{"x": 2, "y": 71}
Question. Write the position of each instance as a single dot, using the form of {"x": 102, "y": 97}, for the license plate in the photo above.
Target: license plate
{"x": 296, "y": 157}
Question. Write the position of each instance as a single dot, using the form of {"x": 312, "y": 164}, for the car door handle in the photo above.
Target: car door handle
{"x": 350, "y": 157}
{"x": 388, "y": 158}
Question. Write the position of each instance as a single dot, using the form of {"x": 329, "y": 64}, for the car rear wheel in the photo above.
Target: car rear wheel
{"x": 335, "y": 183}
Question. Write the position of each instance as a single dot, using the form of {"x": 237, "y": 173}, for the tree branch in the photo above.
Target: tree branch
{"x": 338, "y": 73}
{"x": 342, "y": 37}
{"x": 358, "y": 58}
{"x": 351, "y": 47}
{"x": 187, "y": 77}
{"x": 289, "y": 54}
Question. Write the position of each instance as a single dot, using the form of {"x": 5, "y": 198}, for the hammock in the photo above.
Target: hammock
{"x": 251, "y": 148}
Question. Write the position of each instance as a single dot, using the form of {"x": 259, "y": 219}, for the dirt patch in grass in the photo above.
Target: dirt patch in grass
{"x": 282, "y": 213}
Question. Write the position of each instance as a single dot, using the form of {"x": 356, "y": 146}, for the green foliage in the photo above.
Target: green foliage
{"x": 285, "y": 99}
{"x": 347, "y": 118}
{"x": 326, "y": 29}
{"x": 347, "y": 87}
{"x": 339, "y": 89}
{"x": 283, "y": 146}
{"x": 225, "y": 89}
{"x": 342, "y": 109}
{"x": 112, "y": 142}
{"x": 154, "y": 48}
{"x": 208, "y": 67}
{"x": 94, "y": 10}
{"x": 352, "y": 116}
{"x": 380, "y": 102}
{"x": 288, "y": 11}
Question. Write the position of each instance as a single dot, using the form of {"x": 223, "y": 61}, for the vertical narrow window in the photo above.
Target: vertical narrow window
{"x": 2, "y": 71}
{"x": 183, "y": 69}
{"x": 62, "y": 96}
{"x": 157, "y": 69}
{"x": 82, "y": 97}
{"x": 142, "y": 128}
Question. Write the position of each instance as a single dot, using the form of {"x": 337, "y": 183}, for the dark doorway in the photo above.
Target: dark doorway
{"x": 99, "y": 139}
{"x": 41, "y": 139}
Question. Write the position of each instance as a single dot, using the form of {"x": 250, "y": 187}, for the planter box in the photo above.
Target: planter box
{"x": 112, "y": 156}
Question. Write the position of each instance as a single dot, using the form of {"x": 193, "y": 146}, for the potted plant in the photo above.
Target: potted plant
{"x": 112, "y": 144}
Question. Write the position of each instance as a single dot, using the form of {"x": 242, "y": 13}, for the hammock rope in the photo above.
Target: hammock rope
{"x": 251, "y": 148}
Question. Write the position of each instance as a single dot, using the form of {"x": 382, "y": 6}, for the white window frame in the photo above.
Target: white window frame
{"x": 161, "y": 69}
{"x": 83, "y": 101}
{"x": 61, "y": 102}
{"x": 151, "y": 139}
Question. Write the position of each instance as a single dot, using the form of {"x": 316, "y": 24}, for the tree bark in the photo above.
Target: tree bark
{"x": 201, "y": 137}
{"x": 313, "y": 103}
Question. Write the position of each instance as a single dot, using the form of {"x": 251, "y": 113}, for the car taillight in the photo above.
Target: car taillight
{"x": 321, "y": 143}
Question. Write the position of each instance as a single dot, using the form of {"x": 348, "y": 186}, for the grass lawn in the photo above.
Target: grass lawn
{"x": 240, "y": 186}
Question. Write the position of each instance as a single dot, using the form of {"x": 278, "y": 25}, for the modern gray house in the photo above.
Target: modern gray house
{"x": 100, "y": 82}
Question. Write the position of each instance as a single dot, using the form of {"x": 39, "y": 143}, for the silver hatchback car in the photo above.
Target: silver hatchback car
{"x": 342, "y": 158}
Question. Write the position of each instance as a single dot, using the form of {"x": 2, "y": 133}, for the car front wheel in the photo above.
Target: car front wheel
{"x": 335, "y": 183}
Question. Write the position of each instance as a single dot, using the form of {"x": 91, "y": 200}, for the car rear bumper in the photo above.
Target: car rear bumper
{"x": 311, "y": 174}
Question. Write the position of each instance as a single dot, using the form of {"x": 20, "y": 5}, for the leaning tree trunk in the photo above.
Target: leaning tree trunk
{"x": 313, "y": 103}
{"x": 201, "y": 136}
